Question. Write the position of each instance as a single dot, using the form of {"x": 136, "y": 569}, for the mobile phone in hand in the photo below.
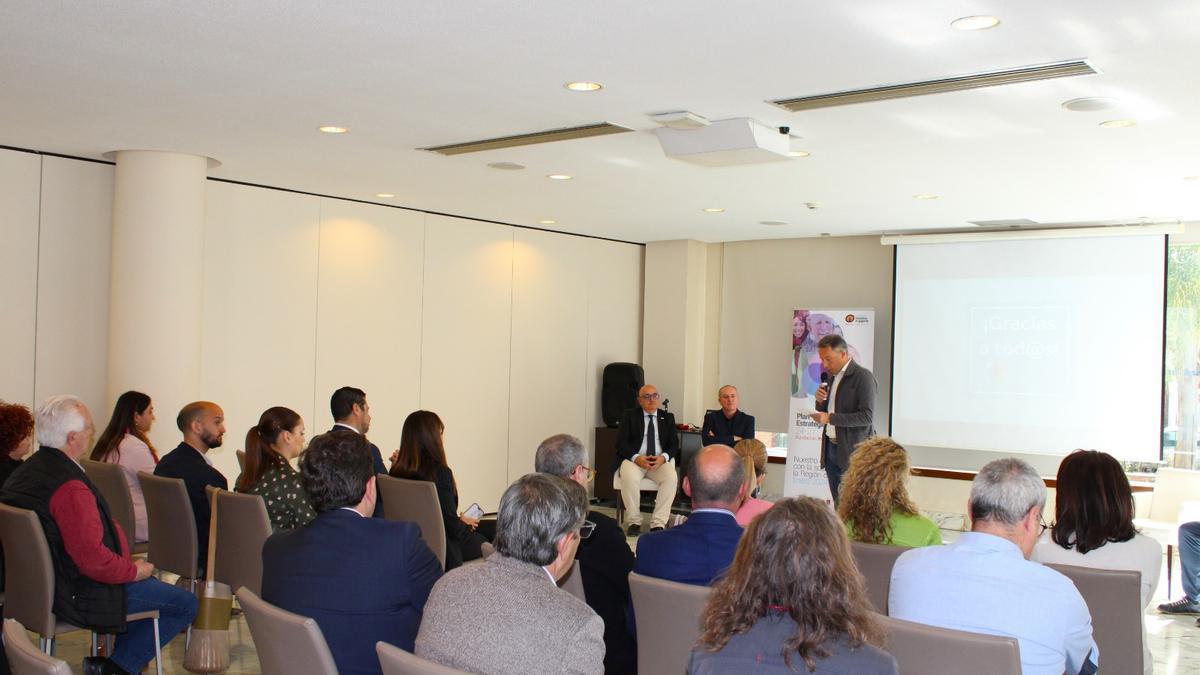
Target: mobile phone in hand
{"x": 474, "y": 512}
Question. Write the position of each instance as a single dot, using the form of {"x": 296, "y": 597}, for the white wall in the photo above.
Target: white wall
{"x": 20, "y": 180}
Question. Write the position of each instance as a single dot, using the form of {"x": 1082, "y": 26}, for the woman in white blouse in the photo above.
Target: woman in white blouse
{"x": 124, "y": 442}
{"x": 1093, "y": 525}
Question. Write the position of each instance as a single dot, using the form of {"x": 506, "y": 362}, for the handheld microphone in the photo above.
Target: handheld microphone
{"x": 825, "y": 379}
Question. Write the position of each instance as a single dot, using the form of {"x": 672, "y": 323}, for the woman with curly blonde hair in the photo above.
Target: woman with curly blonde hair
{"x": 874, "y": 500}
{"x": 792, "y": 601}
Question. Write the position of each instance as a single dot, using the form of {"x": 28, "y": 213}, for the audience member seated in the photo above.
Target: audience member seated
{"x": 423, "y": 457}
{"x": 647, "y": 446}
{"x": 728, "y": 425}
{"x": 362, "y": 579}
{"x": 350, "y": 410}
{"x": 1093, "y": 525}
{"x": 271, "y": 445}
{"x": 984, "y": 582}
{"x": 124, "y": 442}
{"x": 874, "y": 500}
{"x": 605, "y": 560}
{"x": 754, "y": 461}
{"x": 96, "y": 583}
{"x": 203, "y": 427}
{"x": 508, "y": 615}
{"x": 792, "y": 602}
{"x": 700, "y": 549}
{"x": 1189, "y": 563}
{"x": 16, "y": 435}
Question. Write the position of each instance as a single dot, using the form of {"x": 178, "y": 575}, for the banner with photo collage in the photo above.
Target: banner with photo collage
{"x": 804, "y": 475}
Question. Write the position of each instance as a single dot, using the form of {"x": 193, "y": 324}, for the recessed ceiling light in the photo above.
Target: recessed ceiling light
{"x": 1117, "y": 124}
{"x": 714, "y": 209}
{"x": 547, "y": 222}
{"x": 507, "y": 166}
{"x": 798, "y": 153}
{"x": 331, "y": 129}
{"x": 559, "y": 176}
{"x": 1090, "y": 104}
{"x": 925, "y": 195}
{"x": 384, "y": 195}
{"x": 772, "y": 222}
{"x": 981, "y": 22}
{"x": 584, "y": 86}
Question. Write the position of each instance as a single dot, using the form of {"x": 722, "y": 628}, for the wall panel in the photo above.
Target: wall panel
{"x": 260, "y": 300}
{"x": 465, "y": 338}
{"x": 20, "y": 184}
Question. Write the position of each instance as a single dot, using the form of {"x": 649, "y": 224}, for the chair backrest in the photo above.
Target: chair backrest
{"x": 110, "y": 481}
{"x": 241, "y": 457}
{"x": 171, "y": 525}
{"x": 921, "y": 649}
{"x": 1172, "y": 487}
{"x": 286, "y": 643}
{"x": 572, "y": 582}
{"x": 24, "y": 658}
{"x": 242, "y": 527}
{"x": 396, "y": 661}
{"x": 668, "y": 621}
{"x": 1114, "y": 599}
{"x": 28, "y": 570}
{"x": 415, "y": 501}
{"x": 875, "y": 562}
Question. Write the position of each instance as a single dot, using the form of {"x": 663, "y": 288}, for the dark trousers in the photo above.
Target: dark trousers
{"x": 1189, "y": 559}
{"x": 833, "y": 470}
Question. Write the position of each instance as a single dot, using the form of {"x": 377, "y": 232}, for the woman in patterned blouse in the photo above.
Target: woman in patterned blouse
{"x": 277, "y": 439}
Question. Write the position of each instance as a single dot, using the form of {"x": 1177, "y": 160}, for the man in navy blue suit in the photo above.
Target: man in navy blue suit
{"x": 361, "y": 579}
{"x": 700, "y": 549}
{"x": 350, "y": 411}
{"x": 203, "y": 427}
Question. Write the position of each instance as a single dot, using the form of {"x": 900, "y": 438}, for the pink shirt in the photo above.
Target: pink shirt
{"x": 135, "y": 457}
{"x": 751, "y": 508}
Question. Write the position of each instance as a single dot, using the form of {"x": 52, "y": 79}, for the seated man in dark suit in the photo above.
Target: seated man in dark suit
{"x": 700, "y": 549}
{"x": 349, "y": 408}
{"x": 361, "y": 579}
{"x": 203, "y": 427}
{"x": 728, "y": 425}
{"x": 647, "y": 446}
{"x": 605, "y": 560}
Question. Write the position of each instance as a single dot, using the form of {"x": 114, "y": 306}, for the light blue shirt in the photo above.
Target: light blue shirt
{"x": 983, "y": 584}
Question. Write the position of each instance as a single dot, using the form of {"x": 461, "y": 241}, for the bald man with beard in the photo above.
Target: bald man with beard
{"x": 203, "y": 427}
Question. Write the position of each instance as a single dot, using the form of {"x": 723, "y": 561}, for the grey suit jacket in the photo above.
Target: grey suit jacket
{"x": 507, "y": 616}
{"x": 855, "y": 417}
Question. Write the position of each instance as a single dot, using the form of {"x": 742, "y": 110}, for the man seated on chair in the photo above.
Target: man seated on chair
{"x": 96, "y": 583}
{"x": 362, "y": 579}
{"x": 1189, "y": 567}
{"x": 984, "y": 582}
{"x": 647, "y": 445}
{"x": 350, "y": 410}
{"x": 507, "y": 614}
{"x": 605, "y": 560}
{"x": 700, "y": 549}
{"x": 203, "y": 427}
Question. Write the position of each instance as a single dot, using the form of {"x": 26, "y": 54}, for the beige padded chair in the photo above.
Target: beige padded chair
{"x": 286, "y": 643}
{"x": 572, "y": 582}
{"x": 242, "y": 527}
{"x": 24, "y": 658}
{"x": 923, "y": 650}
{"x": 668, "y": 617}
{"x": 109, "y": 479}
{"x": 875, "y": 562}
{"x": 173, "y": 545}
{"x": 396, "y": 661}
{"x": 1175, "y": 500}
{"x": 1114, "y": 598}
{"x": 241, "y": 457}
{"x": 415, "y": 501}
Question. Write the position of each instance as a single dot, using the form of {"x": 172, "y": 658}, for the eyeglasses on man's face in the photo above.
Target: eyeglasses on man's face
{"x": 589, "y": 472}
{"x": 586, "y": 529}
{"x": 649, "y": 397}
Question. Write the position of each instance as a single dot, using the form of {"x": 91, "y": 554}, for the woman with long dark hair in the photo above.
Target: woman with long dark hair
{"x": 1093, "y": 525}
{"x": 271, "y": 444}
{"x": 792, "y": 601}
{"x": 422, "y": 456}
{"x": 124, "y": 442}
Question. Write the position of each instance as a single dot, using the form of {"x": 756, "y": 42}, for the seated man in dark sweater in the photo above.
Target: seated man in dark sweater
{"x": 203, "y": 427}
{"x": 96, "y": 583}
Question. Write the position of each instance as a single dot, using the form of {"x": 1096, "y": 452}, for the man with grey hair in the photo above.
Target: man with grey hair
{"x": 984, "y": 582}
{"x": 699, "y": 550}
{"x": 96, "y": 583}
{"x": 605, "y": 560}
{"x": 845, "y": 408}
{"x": 507, "y": 614}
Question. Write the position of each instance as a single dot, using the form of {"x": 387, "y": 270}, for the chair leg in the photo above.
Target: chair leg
{"x": 1170, "y": 556}
{"x": 48, "y": 645}
{"x": 93, "y": 651}
{"x": 157, "y": 650}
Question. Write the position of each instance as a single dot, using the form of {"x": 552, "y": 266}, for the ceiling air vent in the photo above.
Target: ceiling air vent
{"x": 977, "y": 81}
{"x": 551, "y": 136}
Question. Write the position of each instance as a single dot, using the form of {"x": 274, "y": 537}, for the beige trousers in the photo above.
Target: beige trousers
{"x": 631, "y": 491}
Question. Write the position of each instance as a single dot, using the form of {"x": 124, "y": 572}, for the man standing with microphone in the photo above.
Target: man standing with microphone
{"x": 845, "y": 406}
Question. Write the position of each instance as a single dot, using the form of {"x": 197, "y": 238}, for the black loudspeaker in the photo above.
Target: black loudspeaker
{"x": 619, "y": 393}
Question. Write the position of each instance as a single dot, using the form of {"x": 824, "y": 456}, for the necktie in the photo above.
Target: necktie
{"x": 650, "y": 424}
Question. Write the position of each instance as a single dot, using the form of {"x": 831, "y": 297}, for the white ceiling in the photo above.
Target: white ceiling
{"x": 247, "y": 83}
